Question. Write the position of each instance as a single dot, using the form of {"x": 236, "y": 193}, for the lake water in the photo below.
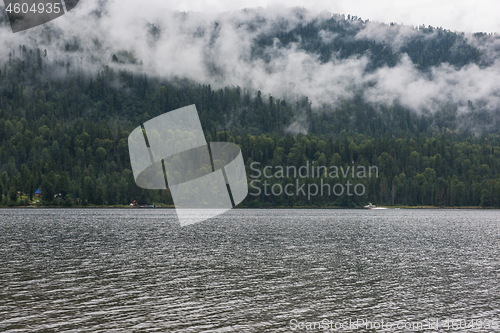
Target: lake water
{"x": 133, "y": 270}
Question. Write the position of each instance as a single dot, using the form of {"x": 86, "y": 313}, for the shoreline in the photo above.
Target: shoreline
{"x": 274, "y": 207}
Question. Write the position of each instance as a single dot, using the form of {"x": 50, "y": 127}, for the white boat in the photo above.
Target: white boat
{"x": 370, "y": 206}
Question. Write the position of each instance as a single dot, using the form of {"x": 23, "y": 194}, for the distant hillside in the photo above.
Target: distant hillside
{"x": 288, "y": 86}
{"x": 66, "y": 133}
{"x": 337, "y": 61}
{"x": 343, "y": 37}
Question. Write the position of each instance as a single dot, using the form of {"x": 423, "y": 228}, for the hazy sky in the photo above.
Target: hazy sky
{"x": 461, "y": 15}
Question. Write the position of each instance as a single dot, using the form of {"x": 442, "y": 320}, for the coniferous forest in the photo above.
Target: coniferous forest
{"x": 67, "y": 136}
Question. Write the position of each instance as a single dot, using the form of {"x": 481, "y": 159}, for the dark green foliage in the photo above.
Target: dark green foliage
{"x": 436, "y": 46}
{"x": 47, "y": 190}
{"x": 13, "y": 195}
{"x": 337, "y": 35}
{"x": 68, "y": 135}
{"x": 414, "y": 170}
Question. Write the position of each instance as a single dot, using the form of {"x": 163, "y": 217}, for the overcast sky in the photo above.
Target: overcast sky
{"x": 460, "y": 15}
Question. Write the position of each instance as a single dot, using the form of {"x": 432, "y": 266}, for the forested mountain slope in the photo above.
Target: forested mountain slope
{"x": 69, "y": 134}
{"x": 291, "y": 88}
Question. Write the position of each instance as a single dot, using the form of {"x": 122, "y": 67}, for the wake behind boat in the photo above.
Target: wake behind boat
{"x": 370, "y": 206}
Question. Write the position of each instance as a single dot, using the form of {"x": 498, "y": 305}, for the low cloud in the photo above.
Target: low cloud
{"x": 219, "y": 48}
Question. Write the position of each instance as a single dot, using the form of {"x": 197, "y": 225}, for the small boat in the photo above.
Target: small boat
{"x": 370, "y": 206}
